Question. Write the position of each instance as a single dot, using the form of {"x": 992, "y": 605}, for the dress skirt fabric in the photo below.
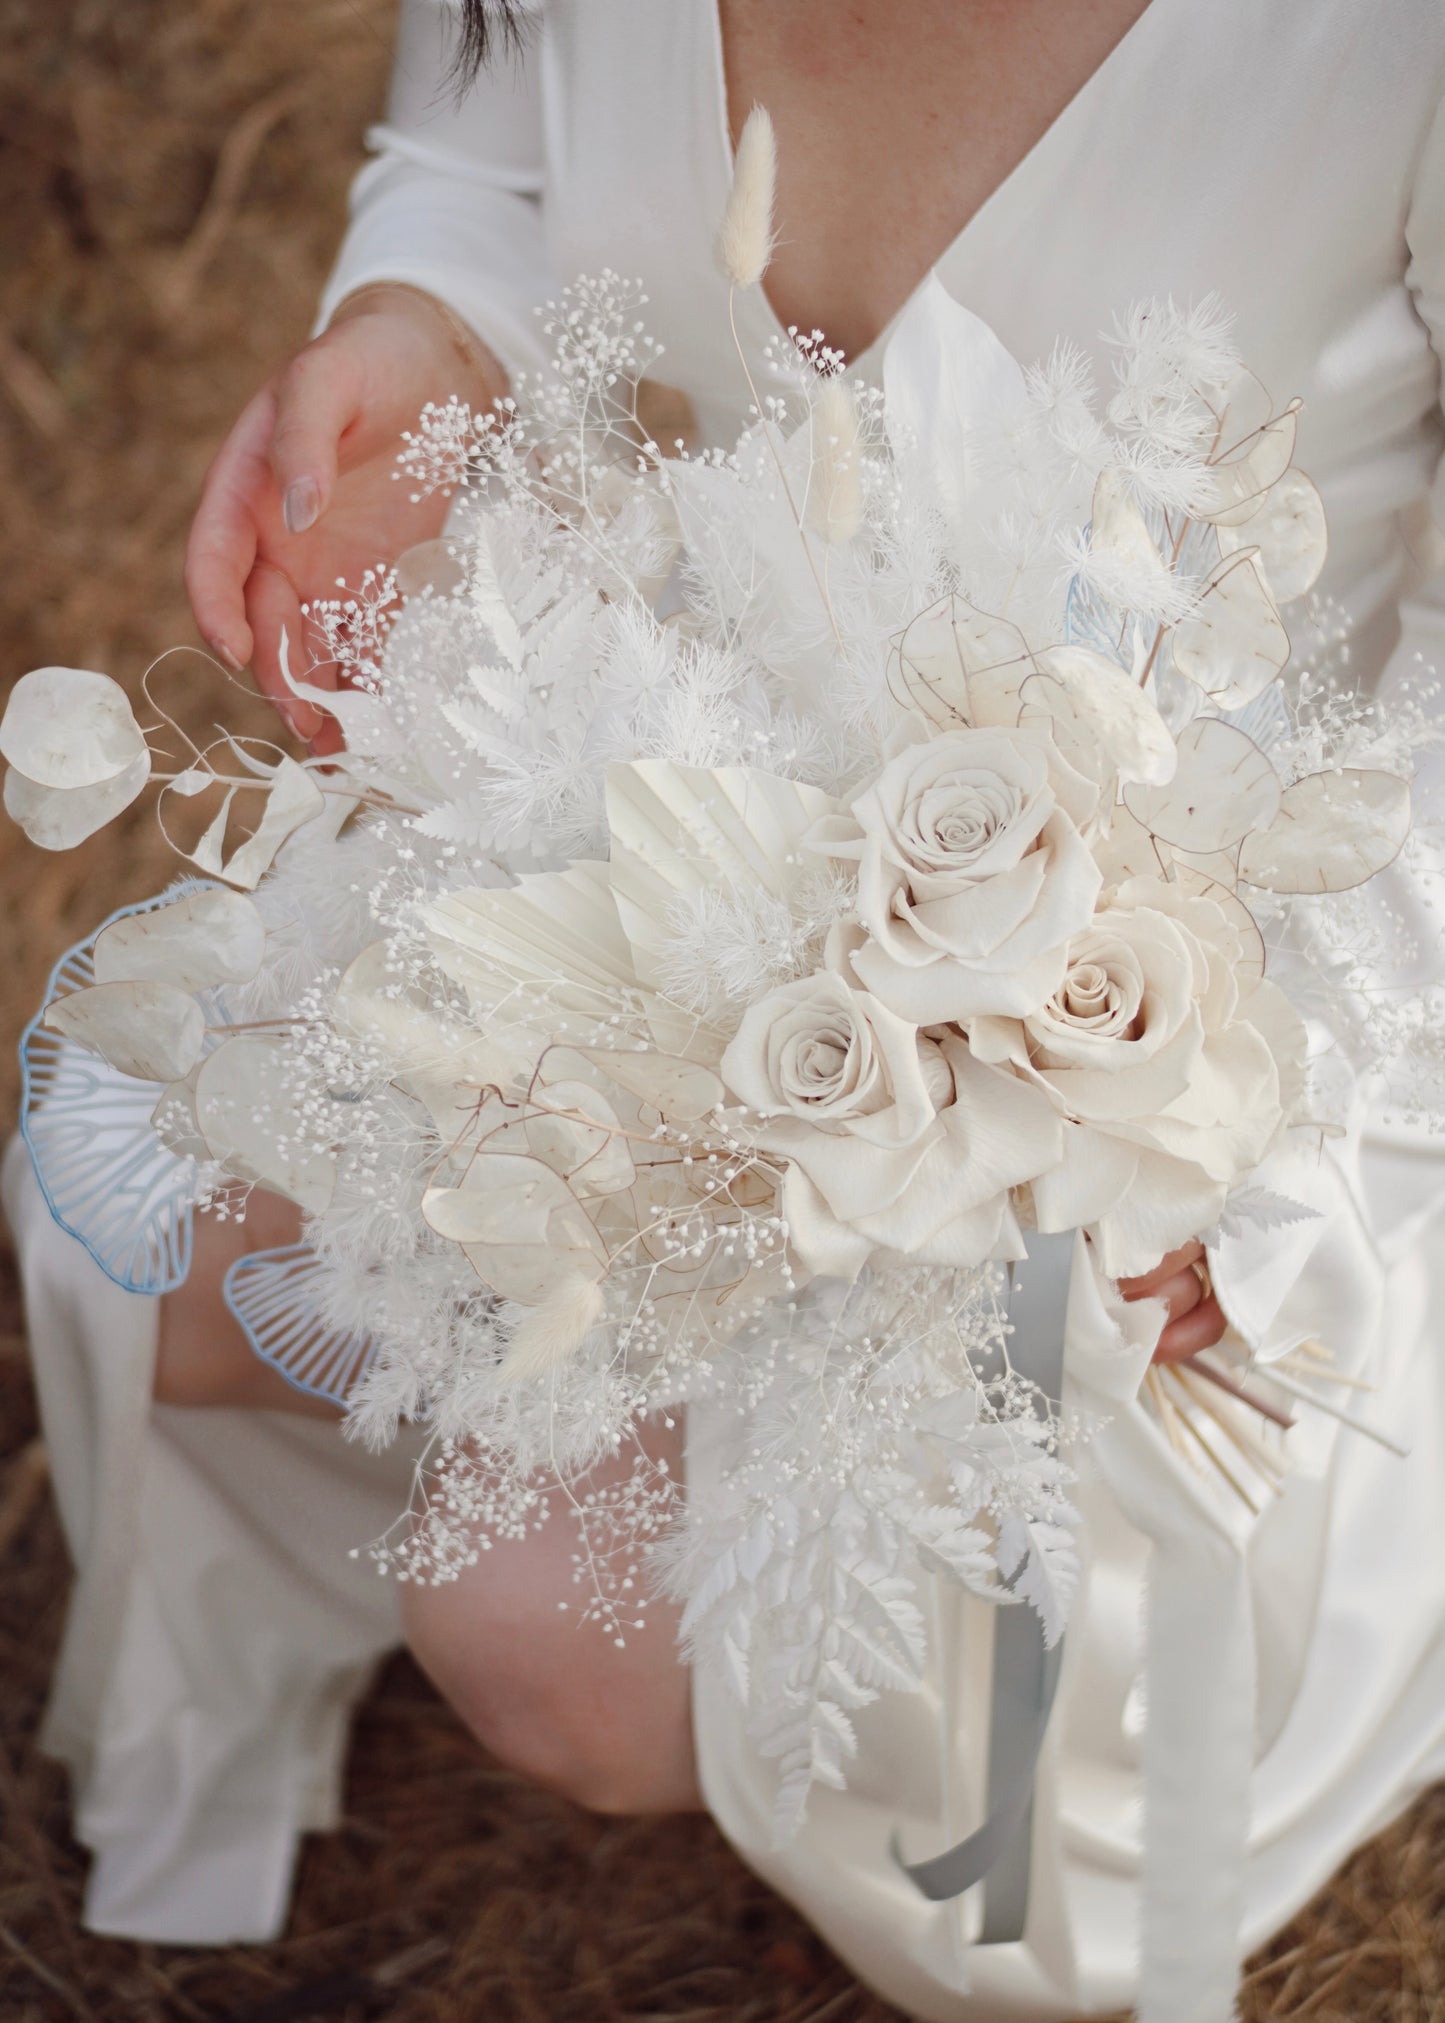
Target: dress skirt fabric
{"x": 219, "y": 1632}
{"x": 1347, "y": 1586}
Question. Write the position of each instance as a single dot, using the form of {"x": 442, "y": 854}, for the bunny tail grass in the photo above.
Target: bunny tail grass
{"x": 745, "y": 237}
{"x": 835, "y": 492}
{"x": 553, "y": 1331}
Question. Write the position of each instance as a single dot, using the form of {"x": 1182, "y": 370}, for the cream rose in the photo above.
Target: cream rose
{"x": 971, "y": 875}
{"x": 892, "y": 1140}
{"x": 1174, "y": 1078}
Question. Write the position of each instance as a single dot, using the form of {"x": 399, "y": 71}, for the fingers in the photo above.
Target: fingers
{"x": 221, "y": 550}
{"x": 318, "y": 397}
{"x": 272, "y": 606}
{"x": 1200, "y": 1328}
{"x": 1148, "y": 1285}
{"x": 1196, "y": 1319}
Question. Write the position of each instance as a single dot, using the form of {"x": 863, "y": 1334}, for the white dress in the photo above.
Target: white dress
{"x": 1291, "y": 158}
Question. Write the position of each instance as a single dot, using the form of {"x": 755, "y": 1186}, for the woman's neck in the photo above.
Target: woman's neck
{"x": 895, "y": 125}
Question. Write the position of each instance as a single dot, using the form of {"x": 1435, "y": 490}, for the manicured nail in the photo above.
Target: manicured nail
{"x": 301, "y": 505}
{"x": 231, "y": 658}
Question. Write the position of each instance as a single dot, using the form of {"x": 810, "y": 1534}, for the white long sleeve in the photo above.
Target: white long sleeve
{"x": 1422, "y": 613}
{"x": 452, "y": 202}
{"x": 1410, "y": 892}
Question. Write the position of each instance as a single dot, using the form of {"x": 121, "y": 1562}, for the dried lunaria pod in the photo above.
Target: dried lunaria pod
{"x": 1289, "y": 534}
{"x": 1232, "y": 644}
{"x": 1252, "y": 459}
{"x": 574, "y": 1128}
{"x": 745, "y": 237}
{"x": 199, "y": 940}
{"x": 76, "y": 753}
{"x": 503, "y": 1197}
{"x": 67, "y": 727}
{"x": 246, "y": 1111}
{"x": 1077, "y": 687}
{"x": 149, "y": 1030}
{"x": 57, "y": 818}
{"x": 1223, "y": 787}
{"x": 958, "y": 665}
{"x": 1334, "y": 830}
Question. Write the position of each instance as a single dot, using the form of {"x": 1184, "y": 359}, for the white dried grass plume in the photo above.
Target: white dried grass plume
{"x": 554, "y": 1331}
{"x": 835, "y": 493}
{"x": 745, "y": 237}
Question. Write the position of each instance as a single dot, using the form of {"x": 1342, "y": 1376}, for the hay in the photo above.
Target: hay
{"x": 171, "y": 181}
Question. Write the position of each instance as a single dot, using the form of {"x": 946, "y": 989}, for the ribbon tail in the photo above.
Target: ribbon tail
{"x": 1198, "y": 1759}
{"x": 1025, "y": 1671}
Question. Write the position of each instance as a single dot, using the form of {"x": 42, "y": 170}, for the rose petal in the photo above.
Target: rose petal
{"x": 1198, "y": 883}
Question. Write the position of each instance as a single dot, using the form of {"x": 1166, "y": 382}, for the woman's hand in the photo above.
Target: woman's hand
{"x": 1196, "y": 1320}
{"x": 302, "y": 491}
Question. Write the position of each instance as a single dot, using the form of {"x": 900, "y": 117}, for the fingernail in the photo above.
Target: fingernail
{"x": 301, "y": 506}
{"x": 232, "y": 661}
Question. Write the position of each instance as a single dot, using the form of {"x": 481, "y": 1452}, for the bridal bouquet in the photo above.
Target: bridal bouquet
{"x": 760, "y": 888}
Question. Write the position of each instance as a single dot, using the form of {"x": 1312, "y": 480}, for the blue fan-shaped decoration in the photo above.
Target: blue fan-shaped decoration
{"x": 273, "y": 1294}
{"x": 105, "y": 1175}
{"x": 1089, "y": 622}
{"x": 1266, "y": 719}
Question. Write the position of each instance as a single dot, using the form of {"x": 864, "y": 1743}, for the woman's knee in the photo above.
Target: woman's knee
{"x": 558, "y": 1702}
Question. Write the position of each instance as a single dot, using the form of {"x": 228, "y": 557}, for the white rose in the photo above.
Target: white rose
{"x": 1173, "y": 1078}
{"x": 971, "y": 875}
{"x": 892, "y": 1141}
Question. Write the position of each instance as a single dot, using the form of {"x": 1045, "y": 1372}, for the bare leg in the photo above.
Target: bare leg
{"x": 550, "y": 1695}
{"x": 202, "y": 1357}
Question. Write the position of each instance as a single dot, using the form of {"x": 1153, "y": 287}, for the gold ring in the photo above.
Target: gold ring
{"x": 1206, "y": 1284}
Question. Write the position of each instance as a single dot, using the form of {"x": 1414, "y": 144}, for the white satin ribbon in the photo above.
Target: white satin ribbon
{"x": 1199, "y": 1672}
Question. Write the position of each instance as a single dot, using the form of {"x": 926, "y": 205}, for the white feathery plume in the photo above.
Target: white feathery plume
{"x": 745, "y": 237}
{"x": 554, "y": 1330}
{"x": 835, "y": 494}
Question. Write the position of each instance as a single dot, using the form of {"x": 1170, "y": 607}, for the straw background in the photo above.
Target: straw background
{"x": 172, "y": 179}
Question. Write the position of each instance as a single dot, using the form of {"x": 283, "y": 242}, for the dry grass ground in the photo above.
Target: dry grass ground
{"x": 171, "y": 181}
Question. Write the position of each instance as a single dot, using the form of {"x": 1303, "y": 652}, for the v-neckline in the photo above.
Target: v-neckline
{"x": 1099, "y": 77}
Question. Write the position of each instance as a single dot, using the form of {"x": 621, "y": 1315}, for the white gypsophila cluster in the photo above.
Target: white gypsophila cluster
{"x": 645, "y": 1008}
